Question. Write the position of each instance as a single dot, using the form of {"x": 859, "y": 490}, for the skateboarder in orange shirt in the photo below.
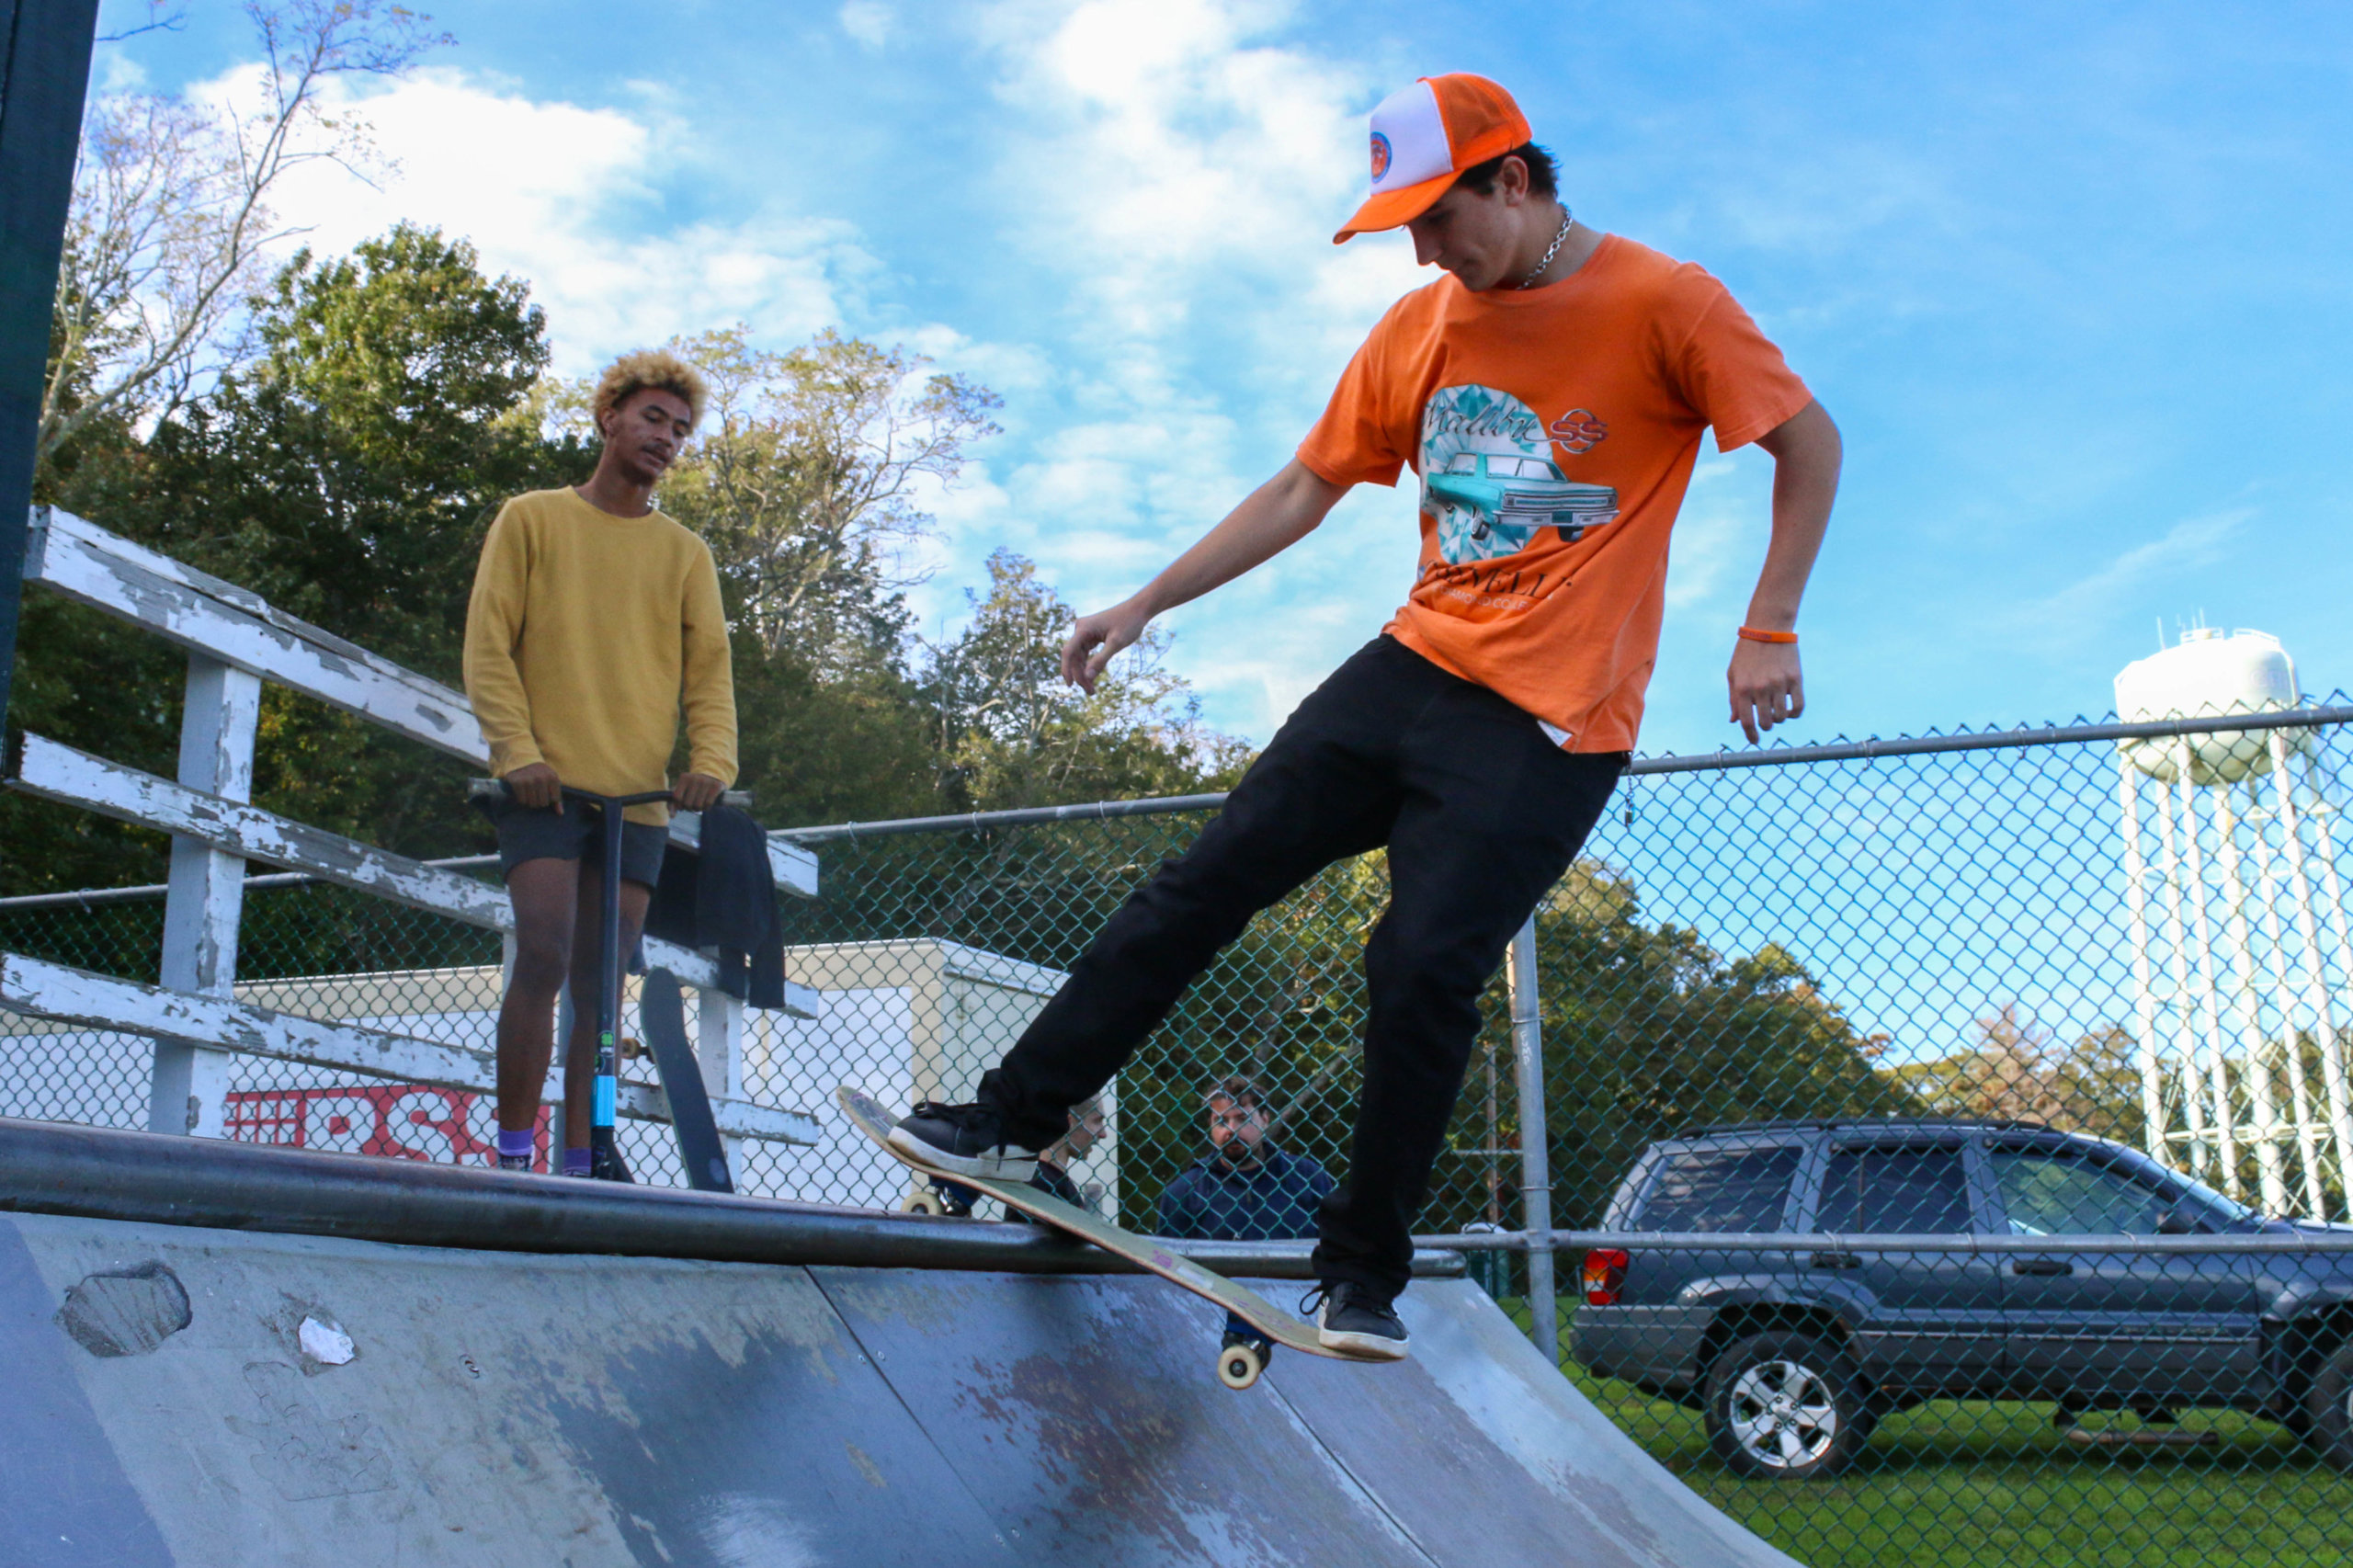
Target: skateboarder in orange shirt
{"x": 1549, "y": 392}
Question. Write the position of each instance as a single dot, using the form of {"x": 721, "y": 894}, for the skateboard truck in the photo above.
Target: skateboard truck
{"x": 939, "y": 1197}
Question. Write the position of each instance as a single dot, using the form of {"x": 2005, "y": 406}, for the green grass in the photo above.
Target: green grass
{"x": 1992, "y": 1484}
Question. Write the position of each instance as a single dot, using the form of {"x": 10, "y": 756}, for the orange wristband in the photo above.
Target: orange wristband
{"x": 1754, "y": 635}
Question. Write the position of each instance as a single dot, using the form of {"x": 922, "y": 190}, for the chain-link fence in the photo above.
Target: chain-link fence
{"x": 2078, "y": 998}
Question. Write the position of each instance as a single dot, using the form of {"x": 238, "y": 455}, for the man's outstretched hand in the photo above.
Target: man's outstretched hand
{"x": 1767, "y": 688}
{"x": 535, "y": 785}
{"x": 697, "y": 792}
{"x": 1098, "y": 636}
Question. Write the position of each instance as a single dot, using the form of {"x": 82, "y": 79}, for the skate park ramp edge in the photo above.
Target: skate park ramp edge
{"x": 191, "y": 1394}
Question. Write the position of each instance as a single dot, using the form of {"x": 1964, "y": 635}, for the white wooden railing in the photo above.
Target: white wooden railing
{"x": 235, "y": 642}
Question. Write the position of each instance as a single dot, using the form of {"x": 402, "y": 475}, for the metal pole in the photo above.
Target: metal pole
{"x": 2185, "y": 1026}
{"x": 2144, "y": 1000}
{"x": 2275, "y": 943}
{"x": 43, "y": 77}
{"x": 2245, "y": 1004}
{"x": 2333, "y": 890}
{"x": 2332, "y": 1051}
{"x": 603, "y": 1161}
{"x": 2226, "y": 1133}
{"x": 1535, "y": 1162}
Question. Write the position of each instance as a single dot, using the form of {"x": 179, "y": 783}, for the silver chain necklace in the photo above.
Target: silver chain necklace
{"x": 1551, "y": 250}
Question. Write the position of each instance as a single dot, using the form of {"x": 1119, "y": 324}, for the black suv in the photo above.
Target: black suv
{"x": 1793, "y": 1355}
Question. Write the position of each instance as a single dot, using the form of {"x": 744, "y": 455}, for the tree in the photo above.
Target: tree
{"x": 2016, "y": 1071}
{"x": 171, "y": 216}
{"x": 1012, "y": 732}
{"x": 804, "y": 482}
{"x": 346, "y": 474}
{"x": 1648, "y": 1029}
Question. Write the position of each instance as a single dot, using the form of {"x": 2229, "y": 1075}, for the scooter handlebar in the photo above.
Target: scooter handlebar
{"x": 496, "y": 789}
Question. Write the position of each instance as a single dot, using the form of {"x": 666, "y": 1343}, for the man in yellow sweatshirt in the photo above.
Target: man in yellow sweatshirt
{"x": 594, "y": 617}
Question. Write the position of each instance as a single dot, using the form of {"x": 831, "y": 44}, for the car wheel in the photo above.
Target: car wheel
{"x": 2328, "y": 1408}
{"x": 1785, "y": 1406}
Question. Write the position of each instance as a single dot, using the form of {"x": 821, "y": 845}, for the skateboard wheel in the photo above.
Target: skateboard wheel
{"x": 922, "y": 1201}
{"x": 1238, "y": 1366}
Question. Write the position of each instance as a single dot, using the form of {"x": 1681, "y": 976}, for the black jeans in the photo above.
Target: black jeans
{"x": 1481, "y": 814}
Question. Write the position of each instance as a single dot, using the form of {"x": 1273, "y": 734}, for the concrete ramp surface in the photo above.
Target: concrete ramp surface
{"x": 176, "y": 1394}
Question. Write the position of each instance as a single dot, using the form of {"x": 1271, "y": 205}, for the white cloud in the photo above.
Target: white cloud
{"x": 868, "y": 21}
{"x": 1178, "y": 179}
{"x": 571, "y": 198}
{"x": 2084, "y": 606}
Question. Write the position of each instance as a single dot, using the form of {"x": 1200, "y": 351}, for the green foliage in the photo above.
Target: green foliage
{"x": 346, "y": 475}
{"x": 805, "y": 480}
{"x": 2016, "y": 1071}
{"x": 1648, "y": 1030}
{"x": 1012, "y": 732}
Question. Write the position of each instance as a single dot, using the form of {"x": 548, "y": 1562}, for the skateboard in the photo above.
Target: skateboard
{"x": 1238, "y": 1365}
{"x": 664, "y": 1017}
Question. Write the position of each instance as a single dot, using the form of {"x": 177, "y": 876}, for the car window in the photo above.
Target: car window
{"x": 1895, "y": 1189}
{"x": 2047, "y": 1192}
{"x": 2218, "y": 1213}
{"x": 1722, "y": 1189}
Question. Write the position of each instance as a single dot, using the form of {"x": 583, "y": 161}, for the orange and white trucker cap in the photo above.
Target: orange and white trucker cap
{"x": 1424, "y": 136}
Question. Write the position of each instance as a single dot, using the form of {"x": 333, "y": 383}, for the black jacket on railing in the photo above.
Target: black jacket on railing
{"x": 724, "y": 896}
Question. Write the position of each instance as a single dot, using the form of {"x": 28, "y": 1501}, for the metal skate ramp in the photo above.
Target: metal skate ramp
{"x": 179, "y": 1395}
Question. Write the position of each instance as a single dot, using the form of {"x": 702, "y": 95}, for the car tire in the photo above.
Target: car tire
{"x": 1785, "y": 1406}
{"x": 2327, "y": 1422}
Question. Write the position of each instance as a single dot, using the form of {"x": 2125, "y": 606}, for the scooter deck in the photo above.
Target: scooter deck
{"x": 663, "y": 1014}
{"x": 870, "y": 1117}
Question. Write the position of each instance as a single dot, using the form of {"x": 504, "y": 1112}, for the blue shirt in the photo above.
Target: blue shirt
{"x": 1212, "y": 1201}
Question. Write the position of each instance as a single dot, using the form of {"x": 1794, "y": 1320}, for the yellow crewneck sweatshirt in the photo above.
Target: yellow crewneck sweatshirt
{"x": 586, "y": 633}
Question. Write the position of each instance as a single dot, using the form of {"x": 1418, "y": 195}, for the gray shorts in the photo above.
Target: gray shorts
{"x": 527, "y": 833}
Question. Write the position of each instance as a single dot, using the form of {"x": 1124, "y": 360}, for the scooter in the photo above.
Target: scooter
{"x": 604, "y": 1155}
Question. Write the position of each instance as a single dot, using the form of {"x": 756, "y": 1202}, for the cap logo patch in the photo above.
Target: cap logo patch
{"x": 1379, "y": 156}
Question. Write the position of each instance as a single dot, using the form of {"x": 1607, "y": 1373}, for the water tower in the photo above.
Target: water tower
{"x": 2239, "y": 929}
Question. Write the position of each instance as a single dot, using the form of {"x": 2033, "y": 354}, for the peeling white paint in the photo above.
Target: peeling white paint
{"x": 326, "y": 1342}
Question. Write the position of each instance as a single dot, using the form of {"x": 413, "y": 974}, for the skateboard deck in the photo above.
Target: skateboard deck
{"x": 663, "y": 1016}
{"x": 1280, "y": 1326}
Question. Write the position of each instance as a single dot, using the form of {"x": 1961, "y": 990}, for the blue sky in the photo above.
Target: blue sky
{"x": 2071, "y": 279}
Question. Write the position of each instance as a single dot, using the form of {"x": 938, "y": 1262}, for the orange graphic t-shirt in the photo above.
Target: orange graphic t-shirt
{"x": 1555, "y": 431}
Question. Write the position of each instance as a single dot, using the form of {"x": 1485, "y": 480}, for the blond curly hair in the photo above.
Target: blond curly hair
{"x": 655, "y": 368}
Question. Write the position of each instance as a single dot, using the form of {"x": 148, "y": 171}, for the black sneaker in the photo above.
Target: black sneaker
{"x": 514, "y": 1161}
{"x": 1350, "y": 1317}
{"x": 962, "y": 1139}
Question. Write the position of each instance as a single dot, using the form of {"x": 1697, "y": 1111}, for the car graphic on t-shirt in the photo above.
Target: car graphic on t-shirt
{"x": 1501, "y": 500}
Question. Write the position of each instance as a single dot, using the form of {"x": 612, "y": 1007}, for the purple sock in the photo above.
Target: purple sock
{"x": 512, "y": 1145}
{"x": 575, "y": 1162}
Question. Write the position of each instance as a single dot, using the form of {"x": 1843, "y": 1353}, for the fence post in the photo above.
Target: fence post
{"x": 206, "y": 896}
{"x": 1535, "y": 1157}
